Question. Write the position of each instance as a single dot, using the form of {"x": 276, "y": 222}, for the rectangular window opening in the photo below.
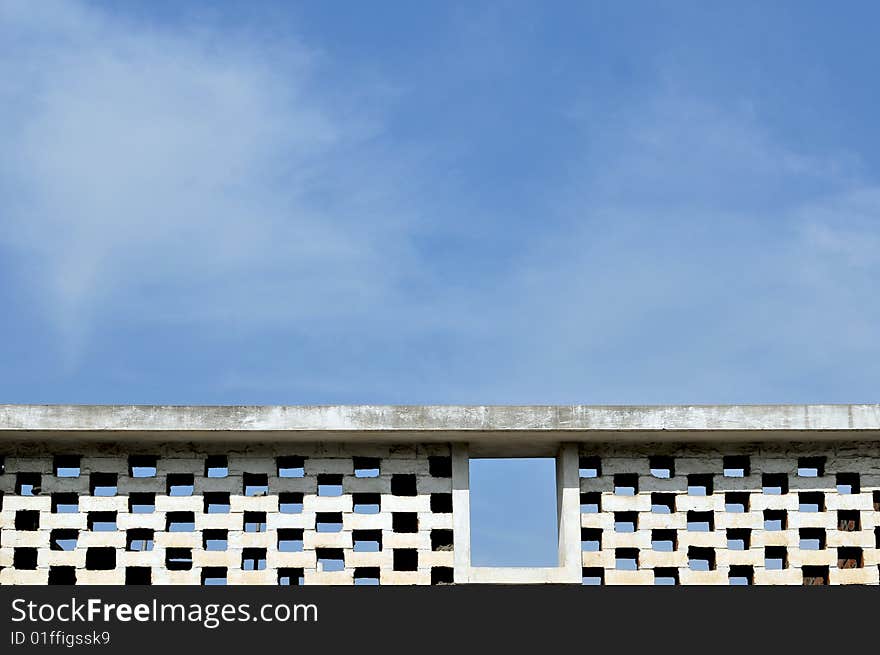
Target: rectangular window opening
{"x": 291, "y": 577}
{"x": 290, "y": 540}
{"x": 290, "y": 503}
{"x": 142, "y": 466}
{"x": 736, "y": 466}
{"x": 662, "y": 467}
{"x": 216, "y": 466}
{"x": 811, "y": 467}
{"x": 66, "y": 466}
{"x": 366, "y": 467}
{"x": 180, "y": 484}
{"x": 291, "y": 466}
{"x": 370, "y": 541}
{"x": 510, "y": 498}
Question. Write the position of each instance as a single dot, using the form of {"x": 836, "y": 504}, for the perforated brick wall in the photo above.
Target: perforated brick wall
{"x": 192, "y": 514}
{"x": 742, "y": 515}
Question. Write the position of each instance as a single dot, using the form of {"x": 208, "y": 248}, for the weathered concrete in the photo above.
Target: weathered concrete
{"x": 489, "y": 430}
{"x": 610, "y": 514}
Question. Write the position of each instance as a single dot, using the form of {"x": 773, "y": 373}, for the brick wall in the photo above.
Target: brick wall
{"x": 193, "y": 514}
{"x": 806, "y": 514}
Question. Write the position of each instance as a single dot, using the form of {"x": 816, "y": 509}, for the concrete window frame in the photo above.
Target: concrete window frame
{"x": 568, "y": 570}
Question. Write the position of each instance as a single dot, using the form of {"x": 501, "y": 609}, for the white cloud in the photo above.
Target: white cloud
{"x": 186, "y": 175}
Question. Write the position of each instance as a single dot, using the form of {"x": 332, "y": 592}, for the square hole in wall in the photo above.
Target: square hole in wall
{"x": 592, "y": 576}
{"x": 811, "y": 501}
{"x": 366, "y": 503}
{"x": 441, "y": 503}
{"x": 366, "y": 467}
{"x": 589, "y": 466}
{"x": 63, "y": 539}
{"x": 815, "y": 575}
{"x": 736, "y": 466}
{"x": 739, "y": 575}
{"x": 138, "y": 575}
{"x": 811, "y": 539}
{"x": 774, "y": 484}
{"x": 180, "y": 484}
{"x": 591, "y": 540}
{"x": 404, "y": 522}
{"x": 142, "y": 466}
{"x": 626, "y": 484}
{"x": 701, "y": 559}
{"x": 662, "y": 503}
{"x": 736, "y": 502}
{"x": 665, "y": 576}
{"x": 329, "y": 484}
{"x": 66, "y": 466}
{"x": 62, "y": 575}
{"x": 103, "y": 484}
{"x": 180, "y": 522}
{"x": 877, "y": 501}
{"x": 290, "y": 540}
{"x": 141, "y": 503}
{"x": 367, "y": 541}
{"x": 330, "y": 559}
{"x": 139, "y": 540}
{"x": 775, "y": 558}
{"x": 28, "y": 484}
{"x": 215, "y": 540}
{"x": 849, "y": 520}
{"x": 291, "y": 466}
{"x": 440, "y": 466}
{"x": 328, "y": 521}
{"x": 848, "y": 483}
{"x": 101, "y": 521}
{"x": 850, "y": 557}
{"x": 591, "y": 502}
{"x": 291, "y": 577}
{"x": 290, "y": 502}
{"x": 213, "y": 576}
{"x": 441, "y": 539}
{"x": 699, "y": 484}
{"x": 661, "y": 466}
{"x": 811, "y": 467}
{"x": 100, "y": 559}
{"x": 255, "y": 484}
{"x": 404, "y": 484}
{"x": 65, "y": 503}
{"x": 178, "y": 559}
{"x": 24, "y": 559}
{"x": 700, "y": 521}
{"x": 254, "y": 521}
{"x": 513, "y": 517}
{"x": 442, "y": 575}
{"x": 27, "y": 519}
{"x": 664, "y": 541}
{"x": 775, "y": 519}
{"x": 216, "y": 466}
{"x": 216, "y": 502}
{"x": 253, "y": 559}
{"x": 626, "y": 559}
{"x": 405, "y": 559}
{"x": 366, "y": 576}
{"x": 626, "y": 522}
{"x": 739, "y": 538}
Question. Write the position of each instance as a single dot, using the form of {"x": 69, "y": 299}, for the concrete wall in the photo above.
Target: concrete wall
{"x": 412, "y": 489}
{"x": 695, "y": 523}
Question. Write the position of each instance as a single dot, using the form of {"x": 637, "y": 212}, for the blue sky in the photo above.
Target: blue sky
{"x": 266, "y": 202}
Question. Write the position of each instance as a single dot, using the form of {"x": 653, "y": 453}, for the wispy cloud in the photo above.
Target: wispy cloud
{"x": 220, "y": 181}
{"x": 187, "y": 175}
